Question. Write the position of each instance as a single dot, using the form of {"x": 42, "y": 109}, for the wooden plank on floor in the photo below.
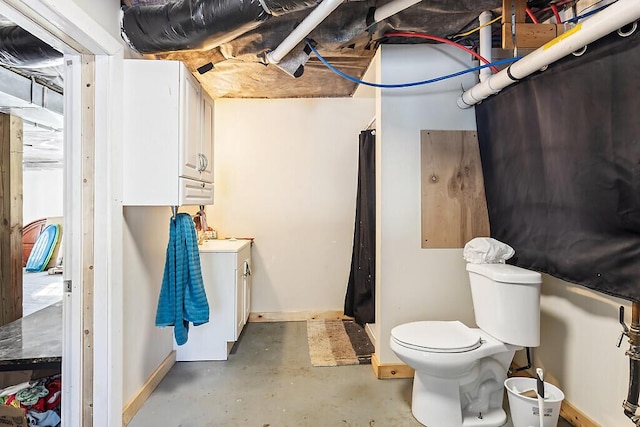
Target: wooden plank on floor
{"x": 135, "y": 403}
{"x": 297, "y": 316}
{"x": 390, "y": 371}
{"x": 11, "y": 146}
{"x": 454, "y": 206}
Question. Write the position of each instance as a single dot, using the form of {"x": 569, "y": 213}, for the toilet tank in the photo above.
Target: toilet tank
{"x": 506, "y": 302}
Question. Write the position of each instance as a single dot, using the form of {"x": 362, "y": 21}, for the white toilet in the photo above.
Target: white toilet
{"x": 460, "y": 371}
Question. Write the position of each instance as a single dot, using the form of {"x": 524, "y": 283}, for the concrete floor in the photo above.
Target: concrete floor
{"x": 269, "y": 381}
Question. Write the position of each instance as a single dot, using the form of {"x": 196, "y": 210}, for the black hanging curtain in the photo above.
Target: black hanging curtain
{"x": 360, "y": 299}
{"x": 561, "y": 161}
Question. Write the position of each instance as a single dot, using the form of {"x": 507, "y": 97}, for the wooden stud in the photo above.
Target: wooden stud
{"x": 88, "y": 207}
{"x": 390, "y": 370}
{"x": 527, "y": 35}
{"x": 454, "y": 207}
{"x": 297, "y": 316}
{"x": 10, "y": 218}
{"x": 532, "y": 36}
{"x": 507, "y": 37}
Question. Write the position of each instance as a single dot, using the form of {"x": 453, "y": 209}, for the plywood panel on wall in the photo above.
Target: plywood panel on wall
{"x": 454, "y": 207}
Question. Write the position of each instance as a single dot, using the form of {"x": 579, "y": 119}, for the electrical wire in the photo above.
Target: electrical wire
{"x": 401, "y": 85}
{"x": 478, "y": 28}
{"x": 441, "y": 40}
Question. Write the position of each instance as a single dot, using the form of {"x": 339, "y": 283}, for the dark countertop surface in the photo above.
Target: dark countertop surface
{"x": 35, "y": 341}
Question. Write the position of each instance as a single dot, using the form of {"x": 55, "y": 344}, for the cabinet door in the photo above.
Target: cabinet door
{"x": 190, "y": 122}
{"x": 206, "y": 149}
{"x": 246, "y": 276}
{"x": 239, "y": 306}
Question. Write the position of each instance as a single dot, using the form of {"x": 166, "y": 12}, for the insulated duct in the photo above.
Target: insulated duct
{"x": 21, "y": 49}
{"x": 198, "y": 24}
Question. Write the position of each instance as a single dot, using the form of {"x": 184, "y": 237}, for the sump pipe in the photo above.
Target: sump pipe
{"x": 485, "y": 42}
{"x": 608, "y": 20}
{"x": 312, "y": 20}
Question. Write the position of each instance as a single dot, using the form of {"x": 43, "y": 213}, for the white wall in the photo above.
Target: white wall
{"x": 42, "y": 191}
{"x": 146, "y": 234}
{"x": 413, "y": 283}
{"x": 579, "y": 328}
{"x": 104, "y": 12}
{"x": 286, "y": 174}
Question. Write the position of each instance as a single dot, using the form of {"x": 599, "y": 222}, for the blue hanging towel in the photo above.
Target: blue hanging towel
{"x": 182, "y": 296}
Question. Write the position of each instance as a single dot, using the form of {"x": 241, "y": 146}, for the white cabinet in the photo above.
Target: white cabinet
{"x": 168, "y": 136}
{"x": 226, "y": 272}
{"x": 206, "y": 148}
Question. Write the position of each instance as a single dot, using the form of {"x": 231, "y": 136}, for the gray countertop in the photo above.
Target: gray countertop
{"x": 33, "y": 342}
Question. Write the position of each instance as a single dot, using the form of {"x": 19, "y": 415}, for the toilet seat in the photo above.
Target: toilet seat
{"x": 437, "y": 336}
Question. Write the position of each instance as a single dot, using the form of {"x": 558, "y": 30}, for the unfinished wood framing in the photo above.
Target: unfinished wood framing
{"x": 297, "y": 316}
{"x": 11, "y": 218}
{"x": 88, "y": 238}
{"x": 390, "y": 370}
{"x": 527, "y": 35}
{"x": 454, "y": 206}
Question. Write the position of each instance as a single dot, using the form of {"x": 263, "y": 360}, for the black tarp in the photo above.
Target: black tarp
{"x": 360, "y": 299}
{"x": 561, "y": 161}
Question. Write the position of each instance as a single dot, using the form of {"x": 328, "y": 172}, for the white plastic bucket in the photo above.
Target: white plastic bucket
{"x": 525, "y": 411}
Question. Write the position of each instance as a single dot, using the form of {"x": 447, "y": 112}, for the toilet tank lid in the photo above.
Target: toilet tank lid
{"x": 506, "y": 273}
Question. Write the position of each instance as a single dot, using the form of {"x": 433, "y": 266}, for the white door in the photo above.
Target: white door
{"x": 190, "y": 121}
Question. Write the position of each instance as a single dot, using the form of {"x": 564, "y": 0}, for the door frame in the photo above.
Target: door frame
{"x": 92, "y": 333}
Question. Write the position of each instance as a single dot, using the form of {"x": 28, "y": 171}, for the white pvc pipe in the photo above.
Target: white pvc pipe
{"x": 391, "y": 8}
{"x": 314, "y": 19}
{"x": 485, "y": 43}
{"x": 604, "y": 22}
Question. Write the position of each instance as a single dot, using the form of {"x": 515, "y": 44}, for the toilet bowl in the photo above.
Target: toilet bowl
{"x": 460, "y": 371}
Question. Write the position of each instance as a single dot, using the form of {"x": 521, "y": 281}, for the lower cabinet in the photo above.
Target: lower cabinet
{"x": 226, "y": 272}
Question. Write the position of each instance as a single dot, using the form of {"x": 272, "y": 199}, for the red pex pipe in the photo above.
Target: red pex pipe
{"x": 556, "y": 14}
{"x": 532, "y": 16}
{"x": 441, "y": 40}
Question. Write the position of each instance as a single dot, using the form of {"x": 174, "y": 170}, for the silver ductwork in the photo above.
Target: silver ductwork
{"x": 25, "y": 97}
{"x": 21, "y": 49}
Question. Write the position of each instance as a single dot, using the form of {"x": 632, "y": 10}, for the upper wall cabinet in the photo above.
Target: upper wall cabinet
{"x": 168, "y": 136}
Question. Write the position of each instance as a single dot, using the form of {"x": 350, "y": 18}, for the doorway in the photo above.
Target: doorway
{"x": 91, "y": 356}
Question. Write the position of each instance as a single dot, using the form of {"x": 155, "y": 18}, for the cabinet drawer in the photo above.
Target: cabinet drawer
{"x": 195, "y": 192}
